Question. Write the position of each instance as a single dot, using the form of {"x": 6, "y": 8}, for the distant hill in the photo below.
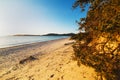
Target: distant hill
{"x": 49, "y": 34}
{"x": 55, "y": 34}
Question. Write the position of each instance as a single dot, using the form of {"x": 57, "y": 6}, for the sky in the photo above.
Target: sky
{"x": 38, "y": 17}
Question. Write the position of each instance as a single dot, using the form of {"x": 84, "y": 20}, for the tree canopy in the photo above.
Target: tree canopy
{"x": 101, "y": 40}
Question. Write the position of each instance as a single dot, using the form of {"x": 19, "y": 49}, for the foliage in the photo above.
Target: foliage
{"x": 99, "y": 45}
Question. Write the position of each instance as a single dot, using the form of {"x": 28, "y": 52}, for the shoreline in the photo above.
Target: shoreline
{"x": 20, "y": 44}
{"x": 30, "y": 44}
{"x": 23, "y": 51}
{"x": 51, "y": 60}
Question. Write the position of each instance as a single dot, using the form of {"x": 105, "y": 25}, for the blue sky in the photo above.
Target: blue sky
{"x": 38, "y": 16}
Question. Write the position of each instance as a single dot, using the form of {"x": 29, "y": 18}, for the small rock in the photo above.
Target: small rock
{"x": 52, "y": 76}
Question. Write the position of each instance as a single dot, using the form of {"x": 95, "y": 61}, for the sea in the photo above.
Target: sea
{"x": 9, "y": 41}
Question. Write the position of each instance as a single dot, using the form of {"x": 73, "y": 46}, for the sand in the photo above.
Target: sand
{"x": 52, "y": 61}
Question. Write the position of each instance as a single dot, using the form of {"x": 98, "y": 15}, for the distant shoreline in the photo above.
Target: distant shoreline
{"x": 49, "y": 34}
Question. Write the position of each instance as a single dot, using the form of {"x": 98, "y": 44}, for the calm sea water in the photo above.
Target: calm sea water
{"x": 8, "y": 41}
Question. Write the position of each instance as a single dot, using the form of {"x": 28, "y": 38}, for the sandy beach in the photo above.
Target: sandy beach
{"x": 50, "y": 60}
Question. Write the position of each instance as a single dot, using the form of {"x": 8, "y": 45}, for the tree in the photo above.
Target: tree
{"x": 101, "y": 47}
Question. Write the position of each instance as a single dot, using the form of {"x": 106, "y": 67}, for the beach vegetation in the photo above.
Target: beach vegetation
{"x": 99, "y": 45}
